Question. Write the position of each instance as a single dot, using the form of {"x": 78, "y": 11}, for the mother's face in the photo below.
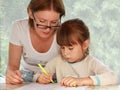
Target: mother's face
{"x": 44, "y": 20}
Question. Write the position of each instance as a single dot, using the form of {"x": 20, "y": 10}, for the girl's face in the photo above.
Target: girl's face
{"x": 45, "y": 22}
{"x": 74, "y": 53}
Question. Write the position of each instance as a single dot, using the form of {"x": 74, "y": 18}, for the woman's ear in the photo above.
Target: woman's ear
{"x": 86, "y": 44}
{"x": 30, "y": 13}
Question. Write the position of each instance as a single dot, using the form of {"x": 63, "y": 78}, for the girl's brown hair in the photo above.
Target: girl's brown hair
{"x": 37, "y": 5}
{"x": 71, "y": 32}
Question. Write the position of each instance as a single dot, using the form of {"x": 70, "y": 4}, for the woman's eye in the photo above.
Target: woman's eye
{"x": 42, "y": 21}
{"x": 54, "y": 22}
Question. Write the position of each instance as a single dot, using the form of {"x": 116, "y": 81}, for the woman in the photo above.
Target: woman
{"x": 34, "y": 39}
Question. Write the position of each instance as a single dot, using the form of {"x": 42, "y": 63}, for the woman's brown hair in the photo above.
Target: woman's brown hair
{"x": 37, "y": 5}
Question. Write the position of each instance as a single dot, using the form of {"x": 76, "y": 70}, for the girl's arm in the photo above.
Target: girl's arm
{"x": 103, "y": 74}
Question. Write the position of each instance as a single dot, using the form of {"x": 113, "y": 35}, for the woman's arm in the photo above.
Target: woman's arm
{"x": 13, "y": 75}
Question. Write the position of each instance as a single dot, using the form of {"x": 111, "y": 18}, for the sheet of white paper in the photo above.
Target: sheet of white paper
{"x": 36, "y": 86}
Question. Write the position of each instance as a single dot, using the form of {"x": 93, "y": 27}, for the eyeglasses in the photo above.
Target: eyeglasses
{"x": 46, "y": 27}
{"x": 40, "y": 26}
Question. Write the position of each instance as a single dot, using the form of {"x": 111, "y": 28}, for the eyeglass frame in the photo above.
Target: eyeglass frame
{"x": 45, "y": 26}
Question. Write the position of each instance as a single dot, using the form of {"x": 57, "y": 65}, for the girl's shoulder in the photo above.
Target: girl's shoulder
{"x": 92, "y": 59}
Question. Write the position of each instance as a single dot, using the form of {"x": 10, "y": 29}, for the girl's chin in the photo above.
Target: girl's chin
{"x": 70, "y": 61}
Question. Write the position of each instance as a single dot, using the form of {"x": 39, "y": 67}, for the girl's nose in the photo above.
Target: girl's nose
{"x": 66, "y": 53}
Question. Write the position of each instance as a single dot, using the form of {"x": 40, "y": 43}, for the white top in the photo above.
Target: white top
{"x": 20, "y": 36}
{"x": 89, "y": 67}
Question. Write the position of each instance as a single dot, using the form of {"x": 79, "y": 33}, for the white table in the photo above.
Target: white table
{"x": 36, "y": 86}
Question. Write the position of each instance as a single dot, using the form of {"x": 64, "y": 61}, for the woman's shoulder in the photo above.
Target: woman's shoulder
{"x": 20, "y": 22}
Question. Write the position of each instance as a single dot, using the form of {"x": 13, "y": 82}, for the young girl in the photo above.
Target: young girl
{"x": 75, "y": 66}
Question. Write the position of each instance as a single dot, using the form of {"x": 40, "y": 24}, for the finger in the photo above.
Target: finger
{"x": 15, "y": 75}
{"x": 12, "y": 77}
{"x": 47, "y": 79}
{"x": 44, "y": 79}
{"x": 12, "y": 80}
{"x": 63, "y": 82}
{"x": 50, "y": 76}
{"x": 19, "y": 75}
{"x": 17, "y": 78}
{"x": 68, "y": 82}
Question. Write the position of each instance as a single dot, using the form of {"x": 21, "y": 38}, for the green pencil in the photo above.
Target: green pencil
{"x": 44, "y": 71}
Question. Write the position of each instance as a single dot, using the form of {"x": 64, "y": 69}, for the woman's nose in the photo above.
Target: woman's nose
{"x": 48, "y": 23}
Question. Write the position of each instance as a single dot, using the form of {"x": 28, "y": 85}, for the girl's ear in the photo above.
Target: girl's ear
{"x": 30, "y": 13}
{"x": 86, "y": 44}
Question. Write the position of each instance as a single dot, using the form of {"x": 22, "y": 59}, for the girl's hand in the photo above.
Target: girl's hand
{"x": 71, "y": 81}
{"x": 13, "y": 77}
{"x": 44, "y": 78}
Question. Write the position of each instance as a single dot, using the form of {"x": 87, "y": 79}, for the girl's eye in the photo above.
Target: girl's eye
{"x": 62, "y": 47}
{"x": 70, "y": 48}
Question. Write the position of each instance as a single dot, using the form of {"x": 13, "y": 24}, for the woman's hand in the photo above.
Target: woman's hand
{"x": 71, "y": 81}
{"x": 44, "y": 78}
{"x": 13, "y": 77}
